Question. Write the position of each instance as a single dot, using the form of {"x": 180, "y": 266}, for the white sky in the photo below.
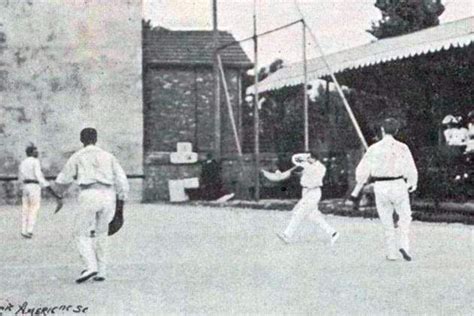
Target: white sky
{"x": 339, "y": 24}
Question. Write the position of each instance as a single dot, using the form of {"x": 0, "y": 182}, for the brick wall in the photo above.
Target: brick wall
{"x": 64, "y": 66}
{"x": 179, "y": 107}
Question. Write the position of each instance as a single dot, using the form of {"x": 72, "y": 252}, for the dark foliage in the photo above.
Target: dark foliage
{"x": 405, "y": 16}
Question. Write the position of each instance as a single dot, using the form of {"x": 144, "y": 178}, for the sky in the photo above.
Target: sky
{"x": 337, "y": 24}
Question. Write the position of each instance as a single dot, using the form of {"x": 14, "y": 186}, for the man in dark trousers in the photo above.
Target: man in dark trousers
{"x": 210, "y": 180}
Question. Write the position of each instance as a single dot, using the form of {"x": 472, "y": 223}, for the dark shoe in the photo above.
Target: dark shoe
{"x": 334, "y": 237}
{"x": 27, "y": 235}
{"x": 405, "y": 255}
{"x": 99, "y": 278}
{"x": 86, "y": 275}
{"x": 355, "y": 202}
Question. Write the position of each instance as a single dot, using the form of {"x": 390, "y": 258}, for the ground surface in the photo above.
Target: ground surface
{"x": 189, "y": 259}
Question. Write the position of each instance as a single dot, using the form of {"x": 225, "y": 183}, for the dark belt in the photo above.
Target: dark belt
{"x": 375, "y": 179}
{"x": 30, "y": 181}
{"x": 95, "y": 185}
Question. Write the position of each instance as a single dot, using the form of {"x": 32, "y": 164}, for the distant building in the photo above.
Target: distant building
{"x": 179, "y": 101}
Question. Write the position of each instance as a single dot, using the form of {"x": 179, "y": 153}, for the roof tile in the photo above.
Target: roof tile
{"x": 191, "y": 48}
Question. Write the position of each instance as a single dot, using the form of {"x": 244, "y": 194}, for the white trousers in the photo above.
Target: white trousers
{"x": 307, "y": 207}
{"x": 97, "y": 209}
{"x": 31, "y": 201}
{"x": 392, "y": 196}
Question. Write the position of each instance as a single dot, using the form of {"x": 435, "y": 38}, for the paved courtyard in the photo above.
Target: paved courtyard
{"x": 188, "y": 259}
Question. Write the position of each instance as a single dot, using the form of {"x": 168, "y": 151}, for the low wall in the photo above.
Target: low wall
{"x": 158, "y": 170}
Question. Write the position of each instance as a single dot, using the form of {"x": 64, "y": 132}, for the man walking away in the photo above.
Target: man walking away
{"x": 390, "y": 165}
{"x": 101, "y": 179}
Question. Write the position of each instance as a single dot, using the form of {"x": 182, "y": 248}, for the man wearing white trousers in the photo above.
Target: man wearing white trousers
{"x": 390, "y": 165}
{"x": 102, "y": 181}
{"x": 308, "y": 206}
{"x": 32, "y": 180}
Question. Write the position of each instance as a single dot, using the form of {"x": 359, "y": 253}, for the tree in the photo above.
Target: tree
{"x": 405, "y": 16}
{"x": 264, "y": 72}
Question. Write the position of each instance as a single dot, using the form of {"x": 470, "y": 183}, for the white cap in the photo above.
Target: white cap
{"x": 449, "y": 119}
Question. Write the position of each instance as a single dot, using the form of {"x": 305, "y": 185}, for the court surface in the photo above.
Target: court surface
{"x": 192, "y": 259}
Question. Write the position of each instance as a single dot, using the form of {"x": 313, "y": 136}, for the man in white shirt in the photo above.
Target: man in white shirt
{"x": 102, "y": 181}
{"x": 32, "y": 180}
{"x": 308, "y": 206}
{"x": 390, "y": 165}
{"x": 454, "y": 134}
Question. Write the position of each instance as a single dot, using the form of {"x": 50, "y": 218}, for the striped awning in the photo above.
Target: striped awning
{"x": 458, "y": 33}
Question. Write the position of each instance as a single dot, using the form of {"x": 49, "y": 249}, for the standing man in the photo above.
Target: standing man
{"x": 390, "y": 165}
{"x": 32, "y": 180}
{"x": 102, "y": 181}
{"x": 307, "y": 207}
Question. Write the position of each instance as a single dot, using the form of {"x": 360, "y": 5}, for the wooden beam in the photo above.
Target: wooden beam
{"x": 305, "y": 91}
{"x": 217, "y": 89}
{"x": 256, "y": 118}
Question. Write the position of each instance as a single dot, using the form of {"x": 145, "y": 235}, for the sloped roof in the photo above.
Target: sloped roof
{"x": 459, "y": 33}
{"x": 166, "y": 47}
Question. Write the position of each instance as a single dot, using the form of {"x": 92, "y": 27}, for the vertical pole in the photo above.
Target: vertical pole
{"x": 241, "y": 185}
{"x": 217, "y": 90}
{"x": 229, "y": 106}
{"x": 331, "y": 115}
{"x": 255, "y": 110}
{"x": 305, "y": 90}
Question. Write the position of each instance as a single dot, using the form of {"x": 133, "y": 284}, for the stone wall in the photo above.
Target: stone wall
{"x": 179, "y": 107}
{"x": 65, "y": 65}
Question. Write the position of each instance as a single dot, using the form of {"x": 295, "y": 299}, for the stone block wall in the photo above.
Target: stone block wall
{"x": 66, "y": 65}
{"x": 159, "y": 170}
{"x": 179, "y": 107}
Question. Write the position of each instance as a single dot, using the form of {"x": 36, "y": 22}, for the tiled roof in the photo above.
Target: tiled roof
{"x": 166, "y": 47}
{"x": 458, "y": 33}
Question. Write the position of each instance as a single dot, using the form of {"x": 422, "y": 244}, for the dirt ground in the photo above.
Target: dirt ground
{"x": 185, "y": 259}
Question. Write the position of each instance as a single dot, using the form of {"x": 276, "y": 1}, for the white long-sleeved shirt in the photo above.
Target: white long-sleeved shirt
{"x": 92, "y": 165}
{"x": 30, "y": 169}
{"x": 388, "y": 158}
{"x": 313, "y": 172}
{"x": 456, "y": 136}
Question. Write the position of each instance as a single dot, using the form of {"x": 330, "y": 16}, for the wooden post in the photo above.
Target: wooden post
{"x": 217, "y": 90}
{"x": 305, "y": 91}
{"x": 256, "y": 118}
{"x": 242, "y": 188}
{"x": 229, "y": 106}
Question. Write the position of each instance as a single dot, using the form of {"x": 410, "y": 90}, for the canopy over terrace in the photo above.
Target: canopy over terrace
{"x": 427, "y": 74}
{"x": 443, "y": 37}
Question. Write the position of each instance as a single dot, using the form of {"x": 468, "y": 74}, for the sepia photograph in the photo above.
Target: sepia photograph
{"x": 236, "y": 157}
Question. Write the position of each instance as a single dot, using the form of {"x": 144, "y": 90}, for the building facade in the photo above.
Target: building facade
{"x": 65, "y": 65}
{"x": 179, "y": 101}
